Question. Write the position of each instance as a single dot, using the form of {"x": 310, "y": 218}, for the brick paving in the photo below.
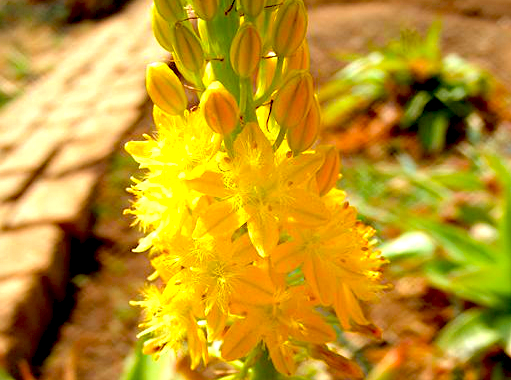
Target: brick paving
{"x": 54, "y": 142}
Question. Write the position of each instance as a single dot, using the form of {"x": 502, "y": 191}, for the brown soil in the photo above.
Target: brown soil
{"x": 100, "y": 330}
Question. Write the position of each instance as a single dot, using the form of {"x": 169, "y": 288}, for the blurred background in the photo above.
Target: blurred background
{"x": 415, "y": 95}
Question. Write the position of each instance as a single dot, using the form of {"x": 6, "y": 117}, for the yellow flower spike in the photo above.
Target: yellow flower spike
{"x": 171, "y": 10}
{"x": 165, "y": 88}
{"x": 205, "y": 9}
{"x": 252, "y": 8}
{"x": 188, "y": 48}
{"x": 161, "y": 30}
{"x": 293, "y": 100}
{"x": 290, "y": 27}
{"x": 328, "y": 175}
{"x": 219, "y": 108}
{"x": 302, "y": 136}
{"x": 245, "y": 51}
{"x": 299, "y": 60}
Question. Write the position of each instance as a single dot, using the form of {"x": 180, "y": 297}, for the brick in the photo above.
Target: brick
{"x": 62, "y": 200}
{"x": 113, "y": 123}
{"x": 25, "y": 313}
{"x": 12, "y": 184}
{"x": 5, "y": 209}
{"x": 131, "y": 97}
{"x": 38, "y": 250}
{"x": 34, "y": 151}
{"x": 83, "y": 153}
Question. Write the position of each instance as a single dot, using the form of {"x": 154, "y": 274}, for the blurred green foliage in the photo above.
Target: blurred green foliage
{"x": 474, "y": 266}
{"x": 442, "y": 99}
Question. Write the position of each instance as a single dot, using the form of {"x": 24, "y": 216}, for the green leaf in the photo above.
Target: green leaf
{"x": 469, "y": 334}
{"x": 503, "y": 326}
{"x": 409, "y": 245}
{"x": 415, "y": 108}
{"x": 139, "y": 366}
{"x": 504, "y": 177}
{"x": 490, "y": 286}
{"x": 457, "y": 181}
{"x": 459, "y": 246}
{"x": 433, "y": 130}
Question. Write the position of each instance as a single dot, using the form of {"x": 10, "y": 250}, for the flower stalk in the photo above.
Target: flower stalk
{"x": 244, "y": 227}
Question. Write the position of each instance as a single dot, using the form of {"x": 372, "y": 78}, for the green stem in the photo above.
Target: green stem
{"x": 275, "y": 81}
{"x": 280, "y": 138}
{"x": 229, "y": 145}
{"x": 247, "y": 100}
{"x": 248, "y": 363}
{"x": 264, "y": 369}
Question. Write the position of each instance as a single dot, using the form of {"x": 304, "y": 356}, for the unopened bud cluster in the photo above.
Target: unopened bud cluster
{"x": 244, "y": 225}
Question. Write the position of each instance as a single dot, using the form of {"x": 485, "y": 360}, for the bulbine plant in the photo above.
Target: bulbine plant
{"x": 254, "y": 249}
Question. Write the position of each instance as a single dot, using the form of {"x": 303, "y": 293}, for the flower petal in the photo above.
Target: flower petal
{"x": 299, "y": 169}
{"x": 281, "y": 354}
{"x": 264, "y": 233}
{"x": 287, "y": 257}
{"x": 210, "y": 183}
{"x": 241, "y": 337}
{"x": 307, "y": 209}
{"x": 254, "y": 287}
{"x": 218, "y": 219}
{"x": 321, "y": 281}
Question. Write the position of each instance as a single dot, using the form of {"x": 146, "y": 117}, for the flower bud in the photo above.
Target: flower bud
{"x": 188, "y": 48}
{"x": 293, "y": 100}
{"x": 252, "y": 8}
{"x": 205, "y": 9}
{"x": 161, "y": 30}
{"x": 170, "y": 10}
{"x": 328, "y": 173}
{"x": 219, "y": 108}
{"x": 299, "y": 60}
{"x": 289, "y": 28}
{"x": 302, "y": 136}
{"x": 165, "y": 89}
{"x": 245, "y": 51}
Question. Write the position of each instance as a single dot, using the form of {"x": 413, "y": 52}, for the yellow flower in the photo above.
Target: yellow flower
{"x": 181, "y": 150}
{"x": 337, "y": 261}
{"x": 288, "y": 318}
{"x": 170, "y": 319}
{"x": 261, "y": 189}
{"x": 219, "y": 270}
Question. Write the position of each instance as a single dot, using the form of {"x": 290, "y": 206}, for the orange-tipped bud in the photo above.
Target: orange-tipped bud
{"x": 219, "y": 108}
{"x": 252, "y": 8}
{"x": 246, "y": 50}
{"x": 300, "y": 60}
{"x": 289, "y": 28}
{"x": 171, "y": 10}
{"x": 205, "y": 9}
{"x": 161, "y": 30}
{"x": 188, "y": 48}
{"x": 328, "y": 173}
{"x": 293, "y": 100}
{"x": 302, "y": 136}
{"x": 165, "y": 89}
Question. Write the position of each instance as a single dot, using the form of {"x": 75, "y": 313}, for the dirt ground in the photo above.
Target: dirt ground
{"x": 100, "y": 327}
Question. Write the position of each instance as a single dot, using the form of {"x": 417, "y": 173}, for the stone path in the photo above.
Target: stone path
{"x": 54, "y": 142}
